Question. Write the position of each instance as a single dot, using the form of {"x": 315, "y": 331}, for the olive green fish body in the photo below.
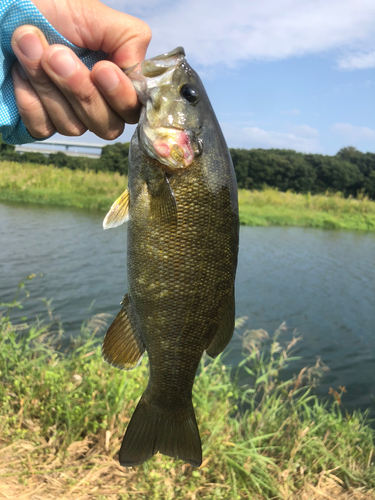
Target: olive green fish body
{"x": 182, "y": 257}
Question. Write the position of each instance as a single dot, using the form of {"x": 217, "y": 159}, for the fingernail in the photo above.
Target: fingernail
{"x": 62, "y": 63}
{"x": 107, "y": 78}
{"x": 30, "y": 46}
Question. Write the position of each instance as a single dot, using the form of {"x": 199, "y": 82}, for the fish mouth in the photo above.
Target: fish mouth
{"x": 174, "y": 148}
{"x": 154, "y": 72}
{"x": 157, "y": 66}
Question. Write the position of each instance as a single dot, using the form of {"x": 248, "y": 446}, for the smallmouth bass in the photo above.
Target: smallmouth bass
{"x": 182, "y": 212}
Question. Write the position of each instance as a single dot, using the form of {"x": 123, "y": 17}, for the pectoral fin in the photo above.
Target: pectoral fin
{"x": 163, "y": 203}
{"x": 119, "y": 212}
{"x": 225, "y": 331}
{"x": 122, "y": 346}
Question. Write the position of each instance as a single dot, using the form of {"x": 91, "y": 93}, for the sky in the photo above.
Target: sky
{"x": 288, "y": 74}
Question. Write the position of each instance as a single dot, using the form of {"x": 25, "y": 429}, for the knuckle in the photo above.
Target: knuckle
{"x": 44, "y": 86}
{"x": 35, "y": 118}
{"x": 87, "y": 95}
{"x": 40, "y": 130}
{"x": 132, "y": 117}
{"x": 111, "y": 134}
{"x": 28, "y": 105}
{"x": 146, "y": 34}
{"x": 71, "y": 129}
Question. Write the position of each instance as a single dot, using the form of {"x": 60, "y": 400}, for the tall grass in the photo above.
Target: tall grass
{"x": 59, "y": 186}
{"x": 63, "y": 415}
{"x": 87, "y": 189}
{"x": 330, "y": 211}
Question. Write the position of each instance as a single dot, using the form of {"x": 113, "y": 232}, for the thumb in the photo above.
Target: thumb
{"x": 92, "y": 25}
{"x": 125, "y": 38}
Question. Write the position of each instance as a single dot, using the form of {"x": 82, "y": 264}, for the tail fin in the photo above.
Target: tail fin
{"x": 152, "y": 429}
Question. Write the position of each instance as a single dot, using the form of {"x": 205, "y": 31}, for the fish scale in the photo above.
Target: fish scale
{"x": 182, "y": 257}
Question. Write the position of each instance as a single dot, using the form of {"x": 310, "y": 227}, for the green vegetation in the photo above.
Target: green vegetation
{"x": 98, "y": 190}
{"x": 60, "y": 186}
{"x": 114, "y": 158}
{"x": 349, "y": 172}
{"x": 329, "y": 211}
{"x": 63, "y": 415}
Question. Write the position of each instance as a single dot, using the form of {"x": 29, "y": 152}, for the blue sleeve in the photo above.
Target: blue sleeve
{"x": 14, "y": 13}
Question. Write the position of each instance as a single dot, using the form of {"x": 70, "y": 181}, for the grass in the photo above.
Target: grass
{"x": 326, "y": 211}
{"x": 87, "y": 189}
{"x": 59, "y": 186}
{"x": 63, "y": 415}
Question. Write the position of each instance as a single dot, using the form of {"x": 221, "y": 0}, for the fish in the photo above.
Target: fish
{"x": 181, "y": 206}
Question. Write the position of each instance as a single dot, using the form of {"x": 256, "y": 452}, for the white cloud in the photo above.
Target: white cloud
{"x": 304, "y": 138}
{"x": 357, "y": 61}
{"x": 354, "y": 133}
{"x": 221, "y": 33}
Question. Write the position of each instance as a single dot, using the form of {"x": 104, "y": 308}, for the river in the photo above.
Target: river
{"x": 321, "y": 283}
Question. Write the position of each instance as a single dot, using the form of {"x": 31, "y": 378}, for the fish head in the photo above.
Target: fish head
{"x": 173, "y": 97}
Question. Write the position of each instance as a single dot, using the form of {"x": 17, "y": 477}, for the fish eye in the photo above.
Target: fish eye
{"x": 189, "y": 93}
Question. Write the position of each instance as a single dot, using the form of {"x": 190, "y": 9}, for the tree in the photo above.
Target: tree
{"x": 114, "y": 158}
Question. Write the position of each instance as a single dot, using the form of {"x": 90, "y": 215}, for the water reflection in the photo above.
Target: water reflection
{"x": 320, "y": 282}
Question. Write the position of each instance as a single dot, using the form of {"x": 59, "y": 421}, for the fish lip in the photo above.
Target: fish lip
{"x": 136, "y": 69}
{"x": 155, "y": 143}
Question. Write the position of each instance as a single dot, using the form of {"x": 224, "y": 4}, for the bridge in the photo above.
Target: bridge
{"x": 47, "y": 150}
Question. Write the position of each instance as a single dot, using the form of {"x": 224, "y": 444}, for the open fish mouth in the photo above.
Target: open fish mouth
{"x": 173, "y": 147}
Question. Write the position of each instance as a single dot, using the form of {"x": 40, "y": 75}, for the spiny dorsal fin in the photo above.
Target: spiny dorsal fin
{"x": 225, "y": 331}
{"x": 118, "y": 213}
{"x": 122, "y": 346}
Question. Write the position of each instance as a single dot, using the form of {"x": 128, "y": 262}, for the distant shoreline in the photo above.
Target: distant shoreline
{"x": 97, "y": 191}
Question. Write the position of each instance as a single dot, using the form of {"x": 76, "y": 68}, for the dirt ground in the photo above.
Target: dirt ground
{"x": 87, "y": 474}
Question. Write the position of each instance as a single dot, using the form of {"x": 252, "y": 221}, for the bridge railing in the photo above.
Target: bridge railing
{"x": 70, "y": 148}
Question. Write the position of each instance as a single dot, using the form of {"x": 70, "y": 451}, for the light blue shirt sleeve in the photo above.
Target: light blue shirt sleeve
{"x": 14, "y": 13}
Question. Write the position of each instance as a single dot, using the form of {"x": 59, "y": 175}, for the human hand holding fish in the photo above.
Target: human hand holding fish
{"x": 56, "y": 92}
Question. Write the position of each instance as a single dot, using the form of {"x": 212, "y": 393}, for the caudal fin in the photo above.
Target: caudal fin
{"x": 151, "y": 430}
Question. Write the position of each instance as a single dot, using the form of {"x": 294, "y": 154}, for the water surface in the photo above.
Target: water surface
{"x": 319, "y": 281}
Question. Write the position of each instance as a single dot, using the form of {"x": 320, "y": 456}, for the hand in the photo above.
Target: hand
{"x": 55, "y": 91}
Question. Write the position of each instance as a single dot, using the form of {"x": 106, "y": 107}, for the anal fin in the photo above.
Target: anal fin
{"x": 225, "y": 331}
{"x": 122, "y": 346}
{"x": 119, "y": 212}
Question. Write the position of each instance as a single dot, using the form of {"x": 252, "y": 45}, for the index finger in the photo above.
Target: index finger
{"x": 117, "y": 90}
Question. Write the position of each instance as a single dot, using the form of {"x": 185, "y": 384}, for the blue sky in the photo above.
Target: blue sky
{"x": 294, "y": 74}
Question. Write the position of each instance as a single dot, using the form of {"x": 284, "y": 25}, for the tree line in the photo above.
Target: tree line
{"x": 349, "y": 171}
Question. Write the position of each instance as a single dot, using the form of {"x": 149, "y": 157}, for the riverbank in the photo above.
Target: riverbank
{"x": 97, "y": 191}
{"x": 63, "y": 415}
